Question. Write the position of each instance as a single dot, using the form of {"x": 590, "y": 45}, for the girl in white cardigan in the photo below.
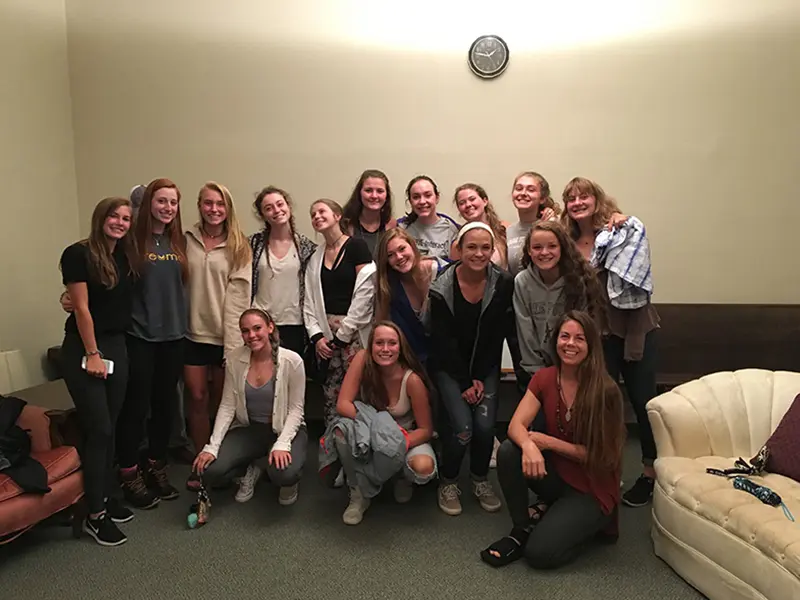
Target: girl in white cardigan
{"x": 339, "y": 300}
{"x": 261, "y": 414}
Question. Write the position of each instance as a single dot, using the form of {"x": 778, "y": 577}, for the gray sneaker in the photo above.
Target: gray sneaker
{"x": 354, "y": 512}
{"x": 485, "y": 494}
{"x": 449, "y": 500}
{"x": 403, "y": 490}
{"x": 288, "y": 495}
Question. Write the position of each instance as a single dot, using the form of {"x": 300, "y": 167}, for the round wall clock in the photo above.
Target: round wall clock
{"x": 488, "y": 56}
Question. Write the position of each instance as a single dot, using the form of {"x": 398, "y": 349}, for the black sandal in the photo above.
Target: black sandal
{"x": 539, "y": 509}
{"x": 508, "y": 548}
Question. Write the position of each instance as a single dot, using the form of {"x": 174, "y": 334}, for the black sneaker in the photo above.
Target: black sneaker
{"x": 104, "y": 531}
{"x": 135, "y": 491}
{"x": 641, "y": 493}
{"x": 156, "y": 479}
{"x": 117, "y": 512}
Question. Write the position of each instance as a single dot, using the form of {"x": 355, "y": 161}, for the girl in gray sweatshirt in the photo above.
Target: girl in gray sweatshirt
{"x": 555, "y": 278}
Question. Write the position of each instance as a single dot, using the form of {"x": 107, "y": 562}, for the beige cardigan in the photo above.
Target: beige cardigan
{"x": 217, "y": 295}
{"x": 288, "y": 408}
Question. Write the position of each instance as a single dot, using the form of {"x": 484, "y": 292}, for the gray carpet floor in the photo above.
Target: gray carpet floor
{"x": 263, "y": 550}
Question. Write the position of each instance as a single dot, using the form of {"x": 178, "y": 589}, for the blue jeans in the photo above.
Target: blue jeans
{"x": 467, "y": 425}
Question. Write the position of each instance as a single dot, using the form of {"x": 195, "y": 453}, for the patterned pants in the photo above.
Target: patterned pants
{"x": 338, "y": 365}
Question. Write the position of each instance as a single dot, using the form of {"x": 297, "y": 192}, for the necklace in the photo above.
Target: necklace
{"x": 335, "y": 244}
{"x": 562, "y": 401}
{"x": 208, "y": 235}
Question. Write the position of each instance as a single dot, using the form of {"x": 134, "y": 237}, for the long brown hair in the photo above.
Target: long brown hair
{"x": 492, "y": 218}
{"x": 101, "y": 260}
{"x": 274, "y": 337}
{"x": 236, "y": 245}
{"x": 372, "y": 385}
{"x": 144, "y": 226}
{"x": 605, "y": 205}
{"x": 544, "y": 192}
{"x": 582, "y": 288}
{"x": 598, "y": 416}
{"x": 271, "y": 189}
{"x": 383, "y": 288}
{"x": 353, "y": 208}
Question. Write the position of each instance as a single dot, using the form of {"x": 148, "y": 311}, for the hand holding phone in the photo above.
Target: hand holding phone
{"x": 91, "y": 366}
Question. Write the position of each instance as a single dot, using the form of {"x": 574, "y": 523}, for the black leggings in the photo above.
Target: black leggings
{"x": 155, "y": 368}
{"x": 293, "y": 337}
{"x": 571, "y": 520}
{"x": 640, "y": 384}
{"x": 97, "y": 403}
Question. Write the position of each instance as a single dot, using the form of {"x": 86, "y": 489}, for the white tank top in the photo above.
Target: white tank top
{"x": 401, "y": 410}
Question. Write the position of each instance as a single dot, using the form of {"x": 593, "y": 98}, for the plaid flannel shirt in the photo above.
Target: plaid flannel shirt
{"x": 625, "y": 254}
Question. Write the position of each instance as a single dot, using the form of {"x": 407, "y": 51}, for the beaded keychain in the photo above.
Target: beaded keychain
{"x": 763, "y": 493}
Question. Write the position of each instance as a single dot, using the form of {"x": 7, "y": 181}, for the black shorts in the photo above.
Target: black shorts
{"x": 202, "y": 355}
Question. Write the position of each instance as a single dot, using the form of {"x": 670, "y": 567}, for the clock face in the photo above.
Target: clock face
{"x": 488, "y": 56}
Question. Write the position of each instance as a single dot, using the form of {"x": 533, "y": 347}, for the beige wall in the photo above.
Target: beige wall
{"x": 686, "y": 111}
{"x": 39, "y": 200}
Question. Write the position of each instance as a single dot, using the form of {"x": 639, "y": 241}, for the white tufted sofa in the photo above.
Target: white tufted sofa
{"x": 723, "y": 541}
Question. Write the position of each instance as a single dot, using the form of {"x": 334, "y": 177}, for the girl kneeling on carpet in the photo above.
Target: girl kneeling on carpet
{"x": 573, "y": 468}
{"x": 389, "y": 377}
{"x": 261, "y": 414}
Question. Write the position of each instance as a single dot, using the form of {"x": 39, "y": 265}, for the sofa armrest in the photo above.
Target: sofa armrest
{"x": 729, "y": 414}
{"x": 677, "y": 427}
{"x": 34, "y": 419}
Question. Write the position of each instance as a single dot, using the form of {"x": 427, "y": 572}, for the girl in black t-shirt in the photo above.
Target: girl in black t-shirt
{"x": 97, "y": 273}
{"x": 339, "y": 299}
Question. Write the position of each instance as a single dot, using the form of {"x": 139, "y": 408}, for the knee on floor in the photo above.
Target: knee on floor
{"x": 540, "y": 554}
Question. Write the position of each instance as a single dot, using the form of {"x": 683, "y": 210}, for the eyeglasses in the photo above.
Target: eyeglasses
{"x": 581, "y": 197}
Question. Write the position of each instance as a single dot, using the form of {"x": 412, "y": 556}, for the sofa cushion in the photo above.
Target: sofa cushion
{"x": 714, "y": 499}
{"x": 784, "y": 444}
{"x": 58, "y": 462}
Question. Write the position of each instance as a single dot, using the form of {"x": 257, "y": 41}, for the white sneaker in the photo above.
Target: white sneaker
{"x": 493, "y": 461}
{"x": 354, "y": 512}
{"x": 247, "y": 485}
{"x": 339, "y": 482}
{"x": 288, "y": 495}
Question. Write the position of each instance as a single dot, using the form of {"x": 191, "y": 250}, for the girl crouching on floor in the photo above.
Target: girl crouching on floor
{"x": 260, "y": 418}
{"x": 388, "y": 377}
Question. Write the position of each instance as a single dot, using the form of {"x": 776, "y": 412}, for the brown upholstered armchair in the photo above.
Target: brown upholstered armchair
{"x": 20, "y": 511}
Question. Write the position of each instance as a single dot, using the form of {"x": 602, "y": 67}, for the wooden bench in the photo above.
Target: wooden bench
{"x": 698, "y": 339}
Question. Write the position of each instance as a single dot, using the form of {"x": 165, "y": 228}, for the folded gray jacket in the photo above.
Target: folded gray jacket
{"x": 377, "y": 443}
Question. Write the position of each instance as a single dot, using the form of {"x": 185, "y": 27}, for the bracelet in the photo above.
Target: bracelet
{"x": 88, "y": 354}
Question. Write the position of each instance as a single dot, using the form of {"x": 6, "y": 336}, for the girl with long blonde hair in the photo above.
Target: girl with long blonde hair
{"x": 218, "y": 290}
{"x": 401, "y": 290}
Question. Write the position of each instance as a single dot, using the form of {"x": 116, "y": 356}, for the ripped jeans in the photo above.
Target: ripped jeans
{"x": 467, "y": 425}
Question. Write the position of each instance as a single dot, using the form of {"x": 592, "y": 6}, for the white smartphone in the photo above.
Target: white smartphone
{"x": 109, "y": 365}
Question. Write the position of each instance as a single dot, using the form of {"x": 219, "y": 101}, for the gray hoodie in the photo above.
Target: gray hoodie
{"x": 537, "y": 307}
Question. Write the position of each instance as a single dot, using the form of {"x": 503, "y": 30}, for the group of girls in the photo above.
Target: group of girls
{"x": 409, "y": 316}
